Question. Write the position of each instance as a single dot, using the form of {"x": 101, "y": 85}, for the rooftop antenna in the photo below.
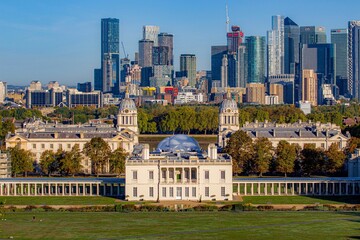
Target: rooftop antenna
{"x": 227, "y": 18}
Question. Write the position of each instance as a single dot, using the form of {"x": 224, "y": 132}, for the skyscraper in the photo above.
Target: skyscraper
{"x": 188, "y": 67}
{"x": 110, "y": 58}
{"x": 255, "y": 48}
{"x": 291, "y": 46}
{"x": 276, "y": 46}
{"x": 339, "y": 37}
{"x": 234, "y": 39}
{"x": 312, "y": 35}
{"x": 241, "y": 67}
{"x": 3, "y": 91}
{"x": 309, "y": 86}
{"x": 145, "y": 53}
{"x": 160, "y": 55}
{"x": 167, "y": 40}
{"x": 217, "y": 53}
{"x": 354, "y": 59}
{"x": 224, "y": 71}
{"x": 151, "y": 33}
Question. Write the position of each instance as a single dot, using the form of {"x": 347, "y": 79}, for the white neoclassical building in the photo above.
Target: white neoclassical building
{"x": 178, "y": 170}
{"x": 38, "y": 136}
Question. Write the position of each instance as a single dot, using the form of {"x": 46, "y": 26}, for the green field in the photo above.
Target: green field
{"x": 182, "y": 225}
{"x": 301, "y": 199}
{"x": 57, "y": 200}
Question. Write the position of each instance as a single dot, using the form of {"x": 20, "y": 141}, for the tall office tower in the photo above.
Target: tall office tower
{"x": 160, "y": 55}
{"x": 188, "y": 67}
{"x": 309, "y": 86}
{"x": 98, "y": 79}
{"x": 151, "y": 33}
{"x": 339, "y": 37}
{"x": 277, "y": 89}
{"x": 145, "y": 53}
{"x": 167, "y": 40}
{"x": 110, "y": 57}
{"x": 224, "y": 71}
{"x": 255, "y": 93}
{"x": 291, "y": 46}
{"x": 217, "y": 53}
{"x": 234, "y": 39}
{"x": 255, "y": 48}
{"x": 354, "y": 59}
{"x": 241, "y": 67}
{"x": 125, "y": 65}
{"x": 3, "y": 91}
{"x": 275, "y": 39}
{"x": 312, "y": 35}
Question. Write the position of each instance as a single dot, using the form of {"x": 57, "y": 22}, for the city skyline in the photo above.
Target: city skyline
{"x": 61, "y": 41}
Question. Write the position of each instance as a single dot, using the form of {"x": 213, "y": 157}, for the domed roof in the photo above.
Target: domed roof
{"x": 127, "y": 103}
{"x": 179, "y": 142}
{"x": 228, "y": 104}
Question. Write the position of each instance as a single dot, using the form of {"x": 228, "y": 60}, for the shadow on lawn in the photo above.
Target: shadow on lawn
{"x": 339, "y": 199}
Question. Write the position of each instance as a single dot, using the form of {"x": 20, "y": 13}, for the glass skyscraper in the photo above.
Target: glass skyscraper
{"x": 339, "y": 37}
{"x": 276, "y": 46}
{"x": 312, "y": 35}
{"x": 354, "y": 59}
{"x": 188, "y": 67}
{"x": 110, "y": 58}
{"x": 151, "y": 33}
{"x": 255, "y": 48}
{"x": 291, "y": 46}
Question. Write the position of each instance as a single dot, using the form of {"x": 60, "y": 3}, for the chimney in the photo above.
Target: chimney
{"x": 82, "y": 135}
{"x": 56, "y": 135}
{"x": 146, "y": 152}
{"x": 212, "y": 151}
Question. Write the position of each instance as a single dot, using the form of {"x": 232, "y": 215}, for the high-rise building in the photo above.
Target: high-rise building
{"x": 291, "y": 46}
{"x": 255, "y": 93}
{"x": 275, "y": 48}
{"x": 309, "y": 86}
{"x": 84, "y": 87}
{"x": 110, "y": 57}
{"x": 312, "y": 35}
{"x": 167, "y": 40}
{"x": 35, "y": 85}
{"x": 75, "y": 98}
{"x": 188, "y": 67}
{"x": 224, "y": 71}
{"x": 145, "y": 52}
{"x": 217, "y": 53}
{"x": 3, "y": 91}
{"x": 255, "y": 48}
{"x": 234, "y": 39}
{"x": 160, "y": 55}
{"x": 151, "y": 33}
{"x": 277, "y": 89}
{"x": 98, "y": 79}
{"x": 339, "y": 37}
{"x": 354, "y": 59}
{"x": 241, "y": 67}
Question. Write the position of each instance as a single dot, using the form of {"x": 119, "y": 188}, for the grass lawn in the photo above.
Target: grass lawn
{"x": 301, "y": 199}
{"x": 182, "y": 225}
{"x": 45, "y": 200}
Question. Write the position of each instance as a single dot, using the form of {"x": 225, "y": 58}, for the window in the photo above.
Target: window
{"x": 222, "y": 173}
{"x": 34, "y": 146}
{"x": 134, "y": 191}
{"x": 134, "y": 175}
{"x": 186, "y": 191}
{"x": 207, "y": 175}
{"x": 164, "y": 191}
{"x": 164, "y": 174}
{"x": 151, "y": 191}
{"x": 42, "y": 145}
{"x": 223, "y": 191}
{"x": 51, "y": 145}
{"x": 69, "y": 146}
{"x": 151, "y": 175}
{"x": 194, "y": 191}
{"x": 171, "y": 190}
{"x": 207, "y": 194}
{"x": 171, "y": 174}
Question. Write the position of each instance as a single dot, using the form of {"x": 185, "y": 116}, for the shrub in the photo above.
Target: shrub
{"x": 328, "y": 207}
{"x": 265, "y": 207}
{"x": 29, "y": 208}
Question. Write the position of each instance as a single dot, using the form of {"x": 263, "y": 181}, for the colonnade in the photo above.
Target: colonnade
{"x": 264, "y": 188}
{"x": 169, "y": 175}
{"x": 61, "y": 189}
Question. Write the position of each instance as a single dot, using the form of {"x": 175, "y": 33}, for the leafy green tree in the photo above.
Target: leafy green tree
{"x": 240, "y": 148}
{"x": 117, "y": 161}
{"x": 187, "y": 118}
{"x": 98, "y": 151}
{"x": 47, "y": 161}
{"x": 170, "y": 121}
{"x": 313, "y": 160}
{"x": 285, "y": 156}
{"x": 263, "y": 153}
{"x": 70, "y": 164}
{"x": 352, "y": 144}
{"x": 335, "y": 159}
{"x": 21, "y": 161}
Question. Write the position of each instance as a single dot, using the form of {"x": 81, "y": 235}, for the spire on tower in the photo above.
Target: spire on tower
{"x": 227, "y": 18}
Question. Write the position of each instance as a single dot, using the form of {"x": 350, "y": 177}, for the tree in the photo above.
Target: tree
{"x": 285, "y": 156}
{"x": 21, "y": 161}
{"x": 263, "y": 153}
{"x": 240, "y": 148}
{"x": 335, "y": 159}
{"x": 117, "y": 161}
{"x": 352, "y": 144}
{"x": 312, "y": 160}
{"x": 98, "y": 151}
{"x": 47, "y": 160}
{"x": 70, "y": 164}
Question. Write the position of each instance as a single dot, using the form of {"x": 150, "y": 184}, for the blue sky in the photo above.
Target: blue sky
{"x": 60, "y": 40}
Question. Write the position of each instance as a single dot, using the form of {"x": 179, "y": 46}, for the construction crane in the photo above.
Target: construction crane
{"x": 125, "y": 55}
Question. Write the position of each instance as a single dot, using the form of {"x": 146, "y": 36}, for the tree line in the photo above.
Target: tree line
{"x": 260, "y": 157}
{"x": 68, "y": 163}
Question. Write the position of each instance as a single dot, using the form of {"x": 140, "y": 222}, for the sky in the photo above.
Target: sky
{"x": 60, "y": 40}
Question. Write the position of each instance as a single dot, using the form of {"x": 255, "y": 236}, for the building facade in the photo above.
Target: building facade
{"x": 3, "y": 91}
{"x": 309, "y": 87}
{"x": 255, "y": 47}
{"x": 291, "y": 46}
{"x": 151, "y": 33}
{"x": 188, "y": 67}
{"x": 339, "y": 37}
{"x": 354, "y": 59}
{"x": 275, "y": 41}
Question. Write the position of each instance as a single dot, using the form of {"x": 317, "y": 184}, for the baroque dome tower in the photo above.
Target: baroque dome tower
{"x": 127, "y": 116}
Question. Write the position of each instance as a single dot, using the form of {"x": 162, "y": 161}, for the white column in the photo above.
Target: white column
{"x": 84, "y": 189}
{"x": 97, "y": 189}
{"x": 91, "y": 186}
{"x": 320, "y": 189}
{"x": 8, "y": 189}
{"x": 77, "y": 189}
{"x": 272, "y": 188}
{"x": 245, "y": 189}
{"x": 1, "y": 189}
{"x": 28, "y": 193}
{"x": 279, "y": 189}
{"x": 306, "y": 188}
{"x": 36, "y": 189}
{"x": 292, "y": 188}
{"x": 327, "y": 188}
{"x": 63, "y": 189}
{"x": 265, "y": 188}
{"x": 313, "y": 188}
{"x": 258, "y": 188}
{"x": 333, "y": 188}
{"x": 252, "y": 189}
{"x": 42, "y": 189}
{"x": 70, "y": 189}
